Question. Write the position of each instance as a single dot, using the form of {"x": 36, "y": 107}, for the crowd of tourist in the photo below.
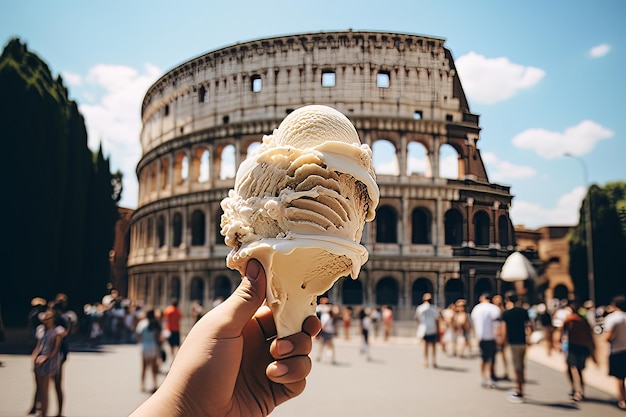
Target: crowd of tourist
{"x": 501, "y": 327}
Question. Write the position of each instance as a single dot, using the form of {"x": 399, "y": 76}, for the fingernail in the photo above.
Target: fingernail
{"x": 278, "y": 369}
{"x": 284, "y": 347}
{"x": 252, "y": 270}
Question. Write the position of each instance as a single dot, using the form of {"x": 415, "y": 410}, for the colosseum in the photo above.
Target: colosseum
{"x": 438, "y": 230}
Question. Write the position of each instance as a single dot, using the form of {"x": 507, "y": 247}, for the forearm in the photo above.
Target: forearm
{"x": 57, "y": 345}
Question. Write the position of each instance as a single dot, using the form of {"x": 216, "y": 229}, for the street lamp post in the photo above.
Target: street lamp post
{"x": 589, "y": 238}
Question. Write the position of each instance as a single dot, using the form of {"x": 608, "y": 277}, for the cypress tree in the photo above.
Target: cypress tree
{"x": 49, "y": 189}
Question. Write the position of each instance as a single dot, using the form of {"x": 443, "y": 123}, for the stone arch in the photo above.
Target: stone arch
{"x": 158, "y": 291}
{"x": 253, "y": 146}
{"x": 200, "y": 165}
{"x": 454, "y": 289}
{"x": 420, "y": 287}
{"x": 449, "y": 162}
{"x": 222, "y": 287}
{"x": 160, "y": 231}
{"x": 181, "y": 168}
{"x": 146, "y": 289}
{"x": 174, "y": 288}
{"x": 386, "y": 224}
{"x": 177, "y": 229}
{"x": 226, "y": 162}
{"x": 418, "y": 162}
{"x": 385, "y": 157}
{"x": 198, "y": 228}
{"x": 453, "y": 224}
{"x": 482, "y": 285}
{"x": 351, "y": 291}
{"x": 560, "y": 292}
{"x": 219, "y": 239}
{"x": 387, "y": 291}
{"x": 421, "y": 225}
{"x": 196, "y": 289}
{"x": 481, "y": 228}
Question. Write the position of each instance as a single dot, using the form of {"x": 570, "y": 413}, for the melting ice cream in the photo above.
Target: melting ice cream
{"x": 299, "y": 206}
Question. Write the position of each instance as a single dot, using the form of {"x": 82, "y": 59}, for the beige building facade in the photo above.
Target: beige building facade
{"x": 441, "y": 227}
{"x": 548, "y": 246}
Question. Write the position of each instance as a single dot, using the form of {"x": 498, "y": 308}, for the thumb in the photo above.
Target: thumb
{"x": 243, "y": 303}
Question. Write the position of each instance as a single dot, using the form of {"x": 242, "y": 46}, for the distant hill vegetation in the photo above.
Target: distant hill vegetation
{"x": 59, "y": 203}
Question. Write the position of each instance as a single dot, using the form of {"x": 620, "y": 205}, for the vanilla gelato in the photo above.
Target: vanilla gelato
{"x": 299, "y": 206}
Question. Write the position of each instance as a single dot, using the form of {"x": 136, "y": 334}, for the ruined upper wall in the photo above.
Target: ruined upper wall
{"x": 263, "y": 80}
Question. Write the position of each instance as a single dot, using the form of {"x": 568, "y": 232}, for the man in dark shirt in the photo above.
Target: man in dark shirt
{"x": 516, "y": 326}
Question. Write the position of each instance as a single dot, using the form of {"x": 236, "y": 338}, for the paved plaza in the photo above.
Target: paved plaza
{"x": 105, "y": 383}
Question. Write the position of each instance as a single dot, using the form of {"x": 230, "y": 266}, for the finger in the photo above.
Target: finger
{"x": 312, "y": 326}
{"x": 294, "y": 345}
{"x": 236, "y": 310}
{"x": 289, "y": 370}
{"x": 265, "y": 320}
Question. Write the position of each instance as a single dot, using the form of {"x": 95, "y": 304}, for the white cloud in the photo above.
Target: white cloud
{"x": 491, "y": 80}
{"x": 500, "y": 170}
{"x": 449, "y": 166}
{"x": 72, "y": 79}
{"x": 533, "y": 215}
{"x": 387, "y": 167}
{"x": 113, "y": 116}
{"x": 576, "y": 140}
{"x": 418, "y": 165}
{"x": 599, "y": 51}
{"x": 384, "y": 158}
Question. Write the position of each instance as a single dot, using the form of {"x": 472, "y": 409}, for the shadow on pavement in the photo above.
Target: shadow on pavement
{"x": 562, "y": 405}
{"x": 451, "y": 368}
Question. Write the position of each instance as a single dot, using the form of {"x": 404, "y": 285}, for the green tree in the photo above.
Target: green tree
{"x": 609, "y": 249}
{"x": 616, "y": 191}
{"x": 52, "y": 183}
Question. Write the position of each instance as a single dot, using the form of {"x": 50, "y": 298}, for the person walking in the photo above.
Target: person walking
{"x": 387, "y": 316}
{"x": 486, "y": 320}
{"x": 376, "y": 318}
{"x": 447, "y": 317}
{"x": 173, "y": 316}
{"x": 427, "y": 317}
{"x": 501, "y": 348}
{"x": 67, "y": 319}
{"x": 365, "y": 317}
{"x": 46, "y": 356}
{"x": 580, "y": 346}
{"x": 327, "y": 334}
{"x": 516, "y": 326}
{"x": 545, "y": 319}
{"x": 346, "y": 316}
{"x": 462, "y": 327}
{"x": 196, "y": 311}
{"x": 615, "y": 334}
{"x": 149, "y": 335}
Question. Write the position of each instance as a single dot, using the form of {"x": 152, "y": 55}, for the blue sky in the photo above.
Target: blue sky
{"x": 544, "y": 76}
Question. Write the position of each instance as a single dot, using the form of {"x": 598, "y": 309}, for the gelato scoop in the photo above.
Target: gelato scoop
{"x": 299, "y": 206}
